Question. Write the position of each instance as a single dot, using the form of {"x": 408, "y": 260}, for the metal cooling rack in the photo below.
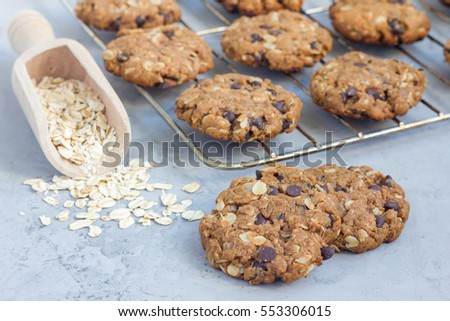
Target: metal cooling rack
{"x": 268, "y": 154}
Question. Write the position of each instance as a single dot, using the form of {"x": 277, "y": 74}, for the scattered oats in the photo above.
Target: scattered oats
{"x": 126, "y": 223}
{"x": 106, "y": 203}
{"x": 168, "y": 199}
{"x": 120, "y": 214}
{"x": 186, "y": 203}
{"x": 22, "y": 213}
{"x": 51, "y": 200}
{"x": 33, "y": 181}
{"x": 191, "y": 188}
{"x": 80, "y": 224}
{"x": 145, "y": 221}
{"x": 164, "y": 220}
{"x": 40, "y": 187}
{"x": 94, "y": 209}
{"x": 166, "y": 212}
{"x": 146, "y": 204}
{"x": 45, "y": 220}
{"x": 152, "y": 215}
{"x": 150, "y": 188}
{"x": 139, "y": 212}
{"x": 81, "y": 203}
{"x": 136, "y": 203}
{"x": 94, "y": 231}
{"x": 192, "y": 215}
{"x": 105, "y": 218}
{"x": 69, "y": 204}
{"x": 259, "y": 188}
{"x": 63, "y": 216}
{"x": 176, "y": 208}
{"x": 88, "y": 216}
{"x": 162, "y": 186}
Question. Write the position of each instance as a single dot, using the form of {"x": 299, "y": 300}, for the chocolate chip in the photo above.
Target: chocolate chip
{"x": 259, "y": 56}
{"x": 260, "y": 265}
{"x": 375, "y": 187}
{"x": 293, "y": 190}
{"x": 379, "y": 221}
{"x": 122, "y": 57}
{"x": 279, "y": 105}
{"x": 281, "y": 217}
{"x": 279, "y": 177}
{"x": 387, "y": 181}
{"x": 327, "y": 252}
{"x": 398, "y": 1}
{"x": 260, "y": 219}
{"x": 273, "y": 190}
{"x": 257, "y": 122}
{"x": 392, "y": 206}
{"x": 272, "y": 91}
{"x": 115, "y": 25}
{"x": 235, "y": 85}
{"x": 340, "y": 189}
{"x": 275, "y": 32}
{"x": 265, "y": 27}
{"x": 332, "y": 219}
{"x": 314, "y": 45}
{"x": 267, "y": 254}
{"x": 286, "y": 124}
{"x": 256, "y": 38}
{"x": 349, "y": 93}
{"x": 162, "y": 85}
{"x": 376, "y": 95}
{"x": 170, "y": 34}
{"x": 140, "y": 21}
{"x": 359, "y": 64}
{"x": 255, "y": 83}
{"x": 396, "y": 26}
{"x": 230, "y": 116}
{"x": 166, "y": 16}
{"x": 259, "y": 174}
{"x": 325, "y": 188}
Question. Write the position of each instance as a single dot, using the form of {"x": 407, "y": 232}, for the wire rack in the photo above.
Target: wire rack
{"x": 351, "y": 131}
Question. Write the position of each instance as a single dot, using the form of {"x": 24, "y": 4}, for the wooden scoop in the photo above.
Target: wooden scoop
{"x": 31, "y": 36}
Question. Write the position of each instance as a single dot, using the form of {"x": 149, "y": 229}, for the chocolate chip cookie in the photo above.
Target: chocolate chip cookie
{"x": 357, "y": 85}
{"x": 257, "y": 7}
{"x": 275, "y": 226}
{"x": 375, "y": 209}
{"x": 117, "y": 14}
{"x": 159, "y": 57}
{"x": 447, "y": 51}
{"x": 239, "y": 108}
{"x": 282, "y": 40}
{"x": 388, "y": 22}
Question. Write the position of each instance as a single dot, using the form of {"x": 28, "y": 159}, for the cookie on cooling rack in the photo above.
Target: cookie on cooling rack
{"x": 447, "y": 51}
{"x": 257, "y": 7}
{"x": 374, "y": 206}
{"x": 282, "y": 40}
{"x": 357, "y": 85}
{"x": 239, "y": 108}
{"x": 118, "y": 14}
{"x": 387, "y": 22}
{"x": 159, "y": 57}
{"x": 275, "y": 226}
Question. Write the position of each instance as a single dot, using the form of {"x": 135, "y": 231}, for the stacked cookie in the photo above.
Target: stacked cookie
{"x": 284, "y": 222}
{"x": 149, "y": 51}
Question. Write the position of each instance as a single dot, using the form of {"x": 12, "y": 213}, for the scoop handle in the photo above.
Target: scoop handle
{"x": 27, "y": 29}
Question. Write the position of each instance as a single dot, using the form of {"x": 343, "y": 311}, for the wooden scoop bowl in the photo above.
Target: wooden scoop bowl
{"x": 31, "y": 36}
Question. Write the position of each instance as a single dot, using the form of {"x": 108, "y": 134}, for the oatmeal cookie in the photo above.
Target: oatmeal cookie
{"x": 257, "y": 7}
{"x": 239, "y": 108}
{"x": 357, "y": 85}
